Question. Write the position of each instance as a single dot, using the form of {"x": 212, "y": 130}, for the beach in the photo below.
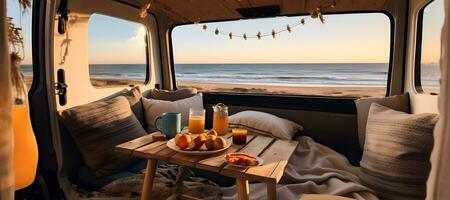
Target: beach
{"x": 310, "y": 90}
{"x": 338, "y": 91}
{"x": 316, "y": 79}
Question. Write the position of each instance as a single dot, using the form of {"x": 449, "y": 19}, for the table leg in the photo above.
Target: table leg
{"x": 148, "y": 180}
{"x": 271, "y": 191}
{"x": 242, "y": 189}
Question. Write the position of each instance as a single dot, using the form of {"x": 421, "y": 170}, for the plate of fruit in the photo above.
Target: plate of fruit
{"x": 198, "y": 144}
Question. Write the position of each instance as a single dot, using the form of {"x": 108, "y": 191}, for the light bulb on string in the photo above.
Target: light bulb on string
{"x": 314, "y": 14}
{"x": 144, "y": 9}
{"x": 197, "y": 21}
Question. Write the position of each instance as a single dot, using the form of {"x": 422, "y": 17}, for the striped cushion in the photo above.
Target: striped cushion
{"x": 134, "y": 98}
{"x": 170, "y": 95}
{"x": 98, "y": 127}
{"x": 397, "y": 149}
{"x": 396, "y": 102}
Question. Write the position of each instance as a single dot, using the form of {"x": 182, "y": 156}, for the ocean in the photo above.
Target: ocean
{"x": 364, "y": 74}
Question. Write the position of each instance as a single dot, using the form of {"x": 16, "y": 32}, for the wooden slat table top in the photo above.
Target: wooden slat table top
{"x": 275, "y": 153}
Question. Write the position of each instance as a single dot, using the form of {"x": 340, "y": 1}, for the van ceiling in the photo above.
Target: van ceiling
{"x": 185, "y": 11}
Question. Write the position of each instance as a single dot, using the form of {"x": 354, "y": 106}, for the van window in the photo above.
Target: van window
{"x": 117, "y": 52}
{"x": 348, "y": 55}
{"x": 431, "y": 20}
{"x": 23, "y": 19}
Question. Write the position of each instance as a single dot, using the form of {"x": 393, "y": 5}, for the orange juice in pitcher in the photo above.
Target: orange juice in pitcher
{"x": 25, "y": 150}
{"x": 220, "y": 119}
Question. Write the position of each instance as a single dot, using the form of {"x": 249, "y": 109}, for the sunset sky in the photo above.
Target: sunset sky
{"x": 343, "y": 38}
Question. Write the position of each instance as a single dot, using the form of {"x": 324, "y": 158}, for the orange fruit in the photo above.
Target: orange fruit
{"x": 212, "y": 132}
{"x": 183, "y": 141}
{"x": 219, "y": 143}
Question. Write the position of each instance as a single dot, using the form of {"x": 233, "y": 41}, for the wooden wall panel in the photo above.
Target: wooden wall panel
{"x": 183, "y": 11}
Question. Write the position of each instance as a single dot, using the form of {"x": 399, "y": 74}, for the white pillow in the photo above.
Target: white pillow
{"x": 265, "y": 124}
{"x": 154, "y": 108}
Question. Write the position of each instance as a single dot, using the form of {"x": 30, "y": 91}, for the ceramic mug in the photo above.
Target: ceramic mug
{"x": 171, "y": 124}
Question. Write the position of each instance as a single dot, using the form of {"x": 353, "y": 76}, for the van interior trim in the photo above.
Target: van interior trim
{"x": 344, "y": 105}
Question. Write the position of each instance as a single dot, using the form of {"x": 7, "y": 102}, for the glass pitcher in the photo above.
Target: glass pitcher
{"x": 25, "y": 146}
{"x": 220, "y": 119}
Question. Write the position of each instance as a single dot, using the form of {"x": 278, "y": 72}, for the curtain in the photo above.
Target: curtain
{"x": 6, "y": 136}
{"x": 439, "y": 180}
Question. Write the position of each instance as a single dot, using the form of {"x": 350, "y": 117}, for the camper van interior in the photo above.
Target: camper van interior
{"x": 225, "y": 99}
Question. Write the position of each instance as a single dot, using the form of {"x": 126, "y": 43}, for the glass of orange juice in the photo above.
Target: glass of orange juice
{"x": 196, "y": 120}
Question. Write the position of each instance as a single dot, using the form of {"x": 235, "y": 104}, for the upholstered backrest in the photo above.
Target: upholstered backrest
{"x": 168, "y": 95}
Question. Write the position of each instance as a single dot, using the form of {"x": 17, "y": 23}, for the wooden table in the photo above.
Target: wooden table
{"x": 275, "y": 153}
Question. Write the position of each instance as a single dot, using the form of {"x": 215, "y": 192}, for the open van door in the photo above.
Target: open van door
{"x": 278, "y": 58}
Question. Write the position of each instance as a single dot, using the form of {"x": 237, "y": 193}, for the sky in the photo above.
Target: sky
{"x": 115, "y": 41}
{"x": 433, "y": 20}
{"x": 361, "y": 38}
{"x": 354, "y": 38}
{"x": 13, "y": 10}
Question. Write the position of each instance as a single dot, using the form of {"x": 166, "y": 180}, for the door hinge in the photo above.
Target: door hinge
{"x": 61, "y": 87}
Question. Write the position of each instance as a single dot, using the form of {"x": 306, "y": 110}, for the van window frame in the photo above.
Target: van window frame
{"x": 147, "y": 52}
{"x": 418, "y": 52}
{"x": 391, "y": 53}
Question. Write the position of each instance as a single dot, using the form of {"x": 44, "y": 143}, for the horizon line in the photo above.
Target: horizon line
{"x": 245, "y": 63}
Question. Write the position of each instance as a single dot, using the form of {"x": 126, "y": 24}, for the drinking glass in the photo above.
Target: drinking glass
{"x": 239, "y": 136}
{"x": 220, "y": 119}
{"x": 196, "y": 120}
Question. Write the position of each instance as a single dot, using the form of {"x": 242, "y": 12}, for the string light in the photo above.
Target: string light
{"x": 144, "y": 9}
{"x": 197, "y": 21}
{"x": 259, "y": 35}
{"x": 315, "y": 14}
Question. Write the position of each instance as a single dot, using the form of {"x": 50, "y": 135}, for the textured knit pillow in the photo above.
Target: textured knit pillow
{"x": 264, "y": 124}
{"x": 154, "y": 108}
{"x": 167, "y": 95}
{"x": 396, "y": 157}
{"x": 134, "y": 98}
{"x": 396, "y": 102}
{"x": 98, "y": 127}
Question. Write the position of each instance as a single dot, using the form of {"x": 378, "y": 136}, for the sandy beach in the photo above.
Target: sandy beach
{"x": 329, "y": 90}
{"x": 315, "y": 90}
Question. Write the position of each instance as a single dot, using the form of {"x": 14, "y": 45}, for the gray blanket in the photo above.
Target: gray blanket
{"x": 313, "y": 169}
{"x": 129, "y": 188}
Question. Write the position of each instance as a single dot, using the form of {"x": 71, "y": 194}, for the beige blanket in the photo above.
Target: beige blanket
{"x": 313, "y": 169}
